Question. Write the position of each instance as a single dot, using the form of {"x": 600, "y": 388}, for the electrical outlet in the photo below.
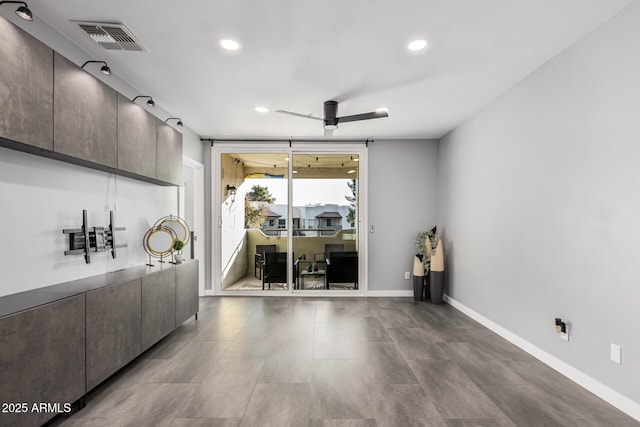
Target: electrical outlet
{"x": 407, "y": 276}
{"x": 616, "y": 354}
{"x": 562, "y": 328}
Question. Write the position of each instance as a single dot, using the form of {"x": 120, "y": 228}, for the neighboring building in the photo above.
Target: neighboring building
{"x": 323, "y": 220}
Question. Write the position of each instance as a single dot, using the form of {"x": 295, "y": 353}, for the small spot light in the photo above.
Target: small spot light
{"x": 23, "y": 11}
{"x": 104, "y": 69}
{"x": 178, "y": 123}
{"x": 150, "y": 102}
{"x": 231, "y": 192}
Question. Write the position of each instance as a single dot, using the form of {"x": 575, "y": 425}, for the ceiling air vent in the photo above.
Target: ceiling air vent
{"x": 111, "y": 36}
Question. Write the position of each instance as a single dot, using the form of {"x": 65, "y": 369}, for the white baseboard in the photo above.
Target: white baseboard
{"x": 376, "y": 294}
{"x": 616, "y": 399}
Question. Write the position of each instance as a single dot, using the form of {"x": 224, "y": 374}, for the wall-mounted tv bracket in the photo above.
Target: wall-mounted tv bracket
{"x": 93, "y": 239}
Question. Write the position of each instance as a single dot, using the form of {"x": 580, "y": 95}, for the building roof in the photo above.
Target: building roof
{"x": 326, "y": 214}
{"x": 272, "y": 214}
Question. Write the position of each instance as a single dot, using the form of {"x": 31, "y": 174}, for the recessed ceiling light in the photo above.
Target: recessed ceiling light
{"x": 262, "y": 109}
{"x": 229, "y": 44}
{"x": 418, "y": 44}
{"x": 351, "y": 171}
{"x": 356, "y": 159}
{"x": 286, "y": 159}
{"x": 382, "y": 110}
{"x": 295, "y": 171}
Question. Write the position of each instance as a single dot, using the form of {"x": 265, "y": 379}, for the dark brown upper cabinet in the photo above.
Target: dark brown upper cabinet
{"x": 136, "y": 139}
{"x": 84, "y": 115}
{"x": 51, "y": 107}
{"x": 169, "y": 154}
{"x": 26, "y": 88}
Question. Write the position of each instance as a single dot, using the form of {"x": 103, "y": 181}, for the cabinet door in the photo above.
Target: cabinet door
{"x": 113, "y": 329}
{"x": 84, "y": 115}
{"x": 169, "y": 154}
{"x": 42, "y": 358}
{"x": 187, "y": 289}
{"x": 26, "y": 88}
{"x": 158, "y": 306}
{"x": 136, "y": 139}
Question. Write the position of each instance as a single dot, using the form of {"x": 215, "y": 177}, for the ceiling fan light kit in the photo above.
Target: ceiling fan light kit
{"x": 331, "y": 119}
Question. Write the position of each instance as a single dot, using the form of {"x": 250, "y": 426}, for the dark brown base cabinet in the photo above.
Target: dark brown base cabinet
{"x": 113, "y": 329}
{"x": 59, "y": 342}
{"x": 42, "y": 358}
{"x": 187, "y": 291}
{"x": 158, "y": 306}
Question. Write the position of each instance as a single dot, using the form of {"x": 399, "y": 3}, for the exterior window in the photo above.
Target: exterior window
{"x": 282, "y": 223}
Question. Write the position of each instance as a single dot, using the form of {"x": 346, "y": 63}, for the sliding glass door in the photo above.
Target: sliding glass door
{"x": 325, "y": 221}
{"x": 288, "y": 221}
{"x": 253, "y": 229}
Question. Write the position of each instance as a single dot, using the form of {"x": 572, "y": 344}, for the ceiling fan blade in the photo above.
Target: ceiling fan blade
{"x": 304, "y": 116}
{"x": 363, "y": 116}
{"x": 328, "y": 132}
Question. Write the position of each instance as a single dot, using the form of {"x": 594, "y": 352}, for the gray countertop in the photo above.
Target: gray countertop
{"x": 14, "y": 303}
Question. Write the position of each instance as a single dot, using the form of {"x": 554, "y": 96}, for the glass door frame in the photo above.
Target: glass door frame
{"x": 291, "y": 148}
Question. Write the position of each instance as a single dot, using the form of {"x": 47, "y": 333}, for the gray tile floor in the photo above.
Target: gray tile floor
{"x": 278, "y": 361}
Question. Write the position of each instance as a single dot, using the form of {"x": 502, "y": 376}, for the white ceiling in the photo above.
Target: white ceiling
{"x": 298, "y": 53}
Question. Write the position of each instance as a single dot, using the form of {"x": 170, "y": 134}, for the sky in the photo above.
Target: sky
{"x": 305, "y": 191}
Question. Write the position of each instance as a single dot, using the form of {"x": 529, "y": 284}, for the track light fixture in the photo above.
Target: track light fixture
{"x": 104, "y": 69}
{"x": 150, "y": 102}
{"x": 179, "y": 123}
{"x": 23, "y": 11}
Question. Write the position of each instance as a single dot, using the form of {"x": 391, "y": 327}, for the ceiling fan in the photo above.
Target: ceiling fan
{"x": 331, "y": 118}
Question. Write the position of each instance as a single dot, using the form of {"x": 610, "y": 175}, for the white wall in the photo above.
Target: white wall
{"x": 40, "y": 197}
{"x": 540, "y": 205}
{"x": 232, "y": 231}
{"x": 402, "y": 202}
{"x": 192, "y": 147}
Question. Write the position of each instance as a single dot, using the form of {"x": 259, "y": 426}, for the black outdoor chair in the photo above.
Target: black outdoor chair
{"x": 342, "y": 267}
{"x": 274, "y": 269}
{"x": 259, "y": 258}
